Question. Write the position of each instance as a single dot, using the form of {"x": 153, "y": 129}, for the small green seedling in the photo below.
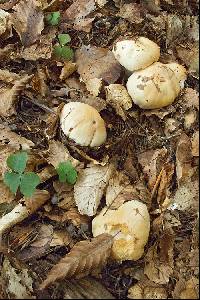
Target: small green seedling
{"x": 62, "y": 51}
{"x": 53, "y": 18}
{"x": 16, "y": 178}
{"x": 67, "y": 173}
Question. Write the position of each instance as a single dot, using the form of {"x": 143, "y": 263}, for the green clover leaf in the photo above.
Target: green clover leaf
{"x": 67, "y": 173}
{"x": 17, "y": 162}
{"x": 64, "y": 39}
{"x": 53, "y": 18}
{"x": 12, "y": 180}
{"x": 29, "y": 182}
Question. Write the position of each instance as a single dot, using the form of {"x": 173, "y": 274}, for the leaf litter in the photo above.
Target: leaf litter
{"x": 150, "y": 156}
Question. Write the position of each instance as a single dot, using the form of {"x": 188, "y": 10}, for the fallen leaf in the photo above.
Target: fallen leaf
{"x": 68, "y": 69}
{"x": 195, "y": 144}
{"x": 9, "y": 96}
{"x": 60, "y": 238}
{"x": 190, "y": 98}
{"x": 19, "y": 282}
{"x": 132, "y": 12}
{"x": 96, "y": 65}
{"x": 189, "y": 54}
{"x": 58, "y": 153}
{"x": 36, "y": 201}
{"x": 159, "y": 262}
{"x": 86, "y": 288}
{"x": 8, "y": 137}
{"x": 5, "y": 194}
{"x": 187, "y": 289}
{"x": 4, "y": 22}
{"x": 77, "y": 15}
{"x": 45, "y": 236}
{"x": 83, "y": 259}
{"x": 27, "y": 21}
{"x": 152, "y": 162}
{"x": 8, "y": 4}
{"x": 183, "y": 159}
{"x": 90, "y": 188}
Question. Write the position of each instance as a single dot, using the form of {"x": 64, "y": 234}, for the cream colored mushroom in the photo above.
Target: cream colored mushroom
{"x": 83, "y": 124}
{"x": 136, "y": 54}
{"x": 130, "y": 226}
{"x": 156, "y": 86}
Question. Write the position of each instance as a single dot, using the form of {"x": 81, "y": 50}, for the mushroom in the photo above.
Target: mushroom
{"x": 83, "y": 124}
{"x": 130, "y": 226}
{"x": 136, "y": 54}
{"x": 156, "y": 86}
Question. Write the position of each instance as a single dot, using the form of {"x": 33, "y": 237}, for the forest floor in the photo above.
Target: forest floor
{"x": 155, "y": 153}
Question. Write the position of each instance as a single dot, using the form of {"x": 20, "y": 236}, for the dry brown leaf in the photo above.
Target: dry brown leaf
{"x": 96, "y": 65}
{"x": 5, "y": 151}
{"x": 186, "y": 289}
{"x": 36, "y": 201}
{"x": 132, "y": 12}
{"x": 44, "y": 236}
{"x": 190, "y": 99}
{"x": 183, "y": 159}
{"x": 83, "y": 259}
{"x": 90, "y": 188}
{"x": 165, "y": 182}
{"x": 189, "y": 55}
{"x": 28, "y": 21}
{"x": 8, "y": 4}
{"x": 60, "y": 238}
{"x": 5, "y": 194}
{"x": 4, "y": 22}
{"x": 9, "y": 95}
{"x": 58, "y": 153}
{"x": 159, "y": 259}
{"x": 77, "y": 15}
{"x": 152, "y": 162}
{"x": 68, "y": 69}
{"x": 85, "y": 288}
{"x": 8, "y": 137}
{"x": 195, "y": 143}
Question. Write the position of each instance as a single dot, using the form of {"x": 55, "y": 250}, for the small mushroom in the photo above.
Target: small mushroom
{"x": 156, "y": 86}
{"x": 136, "y": 54}
{"x": 129, "y": 225}
{"x": 83, "y": 124}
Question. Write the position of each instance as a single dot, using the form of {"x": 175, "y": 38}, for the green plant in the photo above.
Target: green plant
{"x": 66, "y": 172}
{"x": 16, "y": 178}
{"x": 53, "y": 18}
{"x": 62, "y": 51}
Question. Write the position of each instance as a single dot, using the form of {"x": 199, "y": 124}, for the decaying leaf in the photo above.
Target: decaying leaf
{"x": 5, "y": 194}
{"x": 132, "y": 12}
{"x": 58, "y": 153}
{"x": 4, "y": 21}
{"x": 159, "y": 259}
{"x": 183, "y": 159}
{"x": 96, "y": 65}
{"x": 195, "y": 144}
{"x": 90, "y": 188}
{"x": 83, "y": 259}
{"x": 20, "y": 283}
{"x": 28, "y": 21}
{"x": 152, "y": 162}
{"x": 86, "y": 288}
{"x": 9, "y": 95}
{"x": 77, "y": 15}
{"x": 8, "y": 137}
{"x": 186, "y": 289}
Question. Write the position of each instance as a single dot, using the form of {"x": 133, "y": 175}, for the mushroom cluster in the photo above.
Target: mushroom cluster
{"x": 152, "y": 84}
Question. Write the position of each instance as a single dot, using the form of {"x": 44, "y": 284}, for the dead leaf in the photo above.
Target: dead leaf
{"x": 96, "y": 65}
{"x": 9, "y": 96}
{"x": 186, "y": 289}
{"x": 58, "y": 153}
{"x": 68, "y": 69}
{"x": 195, "y": 144}
{"x": 90, "y": 188}
{"x": 174, "y": 26}
{"x": 8, "y": 4}
{"x": 189, "y": 54}
{"x": 152, "y": 162}
{"x": 83, "y": 259}
{"x": 77, "y": 15}
{"x": 19, "y": 282}
{"x": 27, "y": 21}
{"x": 8, "y": 137}
{"x": 159, "y": 259}
{"x": 86, "y": 288}
{"x": 190, "y": 99}
{"x": 60, "y": 238}
{"x": 5, "y": 151}
{"x": 183, "y": 159}
{"x": 165, "y": 182}
{"x": 36, "y": 201}
{"x": 5, "y": 194}
{"x": 4, "y": 22}
{"x": 45, "y": 236}
{"x": 132, "y": 12}
{"x": 146, "y": 289}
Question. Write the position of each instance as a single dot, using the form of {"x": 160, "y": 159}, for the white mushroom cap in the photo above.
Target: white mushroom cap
{"x": 130, "y": 226}
{"x": 83, "y": 124}
{"x": 156, "y": 86}
{"x": 136, "y": 54}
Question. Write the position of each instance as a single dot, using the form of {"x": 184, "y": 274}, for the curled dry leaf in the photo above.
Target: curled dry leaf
{"x": 195, "y": 144}
{"x": 9, "y": 95}
{"x": 28, "y": 21}
{"x": 152, "y": 162}
{"x": 83, "y": 259}
{"x": 96, "y": 65}
{"x": 20, "y": 283}
{"x": 90, "y": 188}
{"x": 4, "y": 21}
{"x": 76, "y": 15}
{"x": 17, "y": 142}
